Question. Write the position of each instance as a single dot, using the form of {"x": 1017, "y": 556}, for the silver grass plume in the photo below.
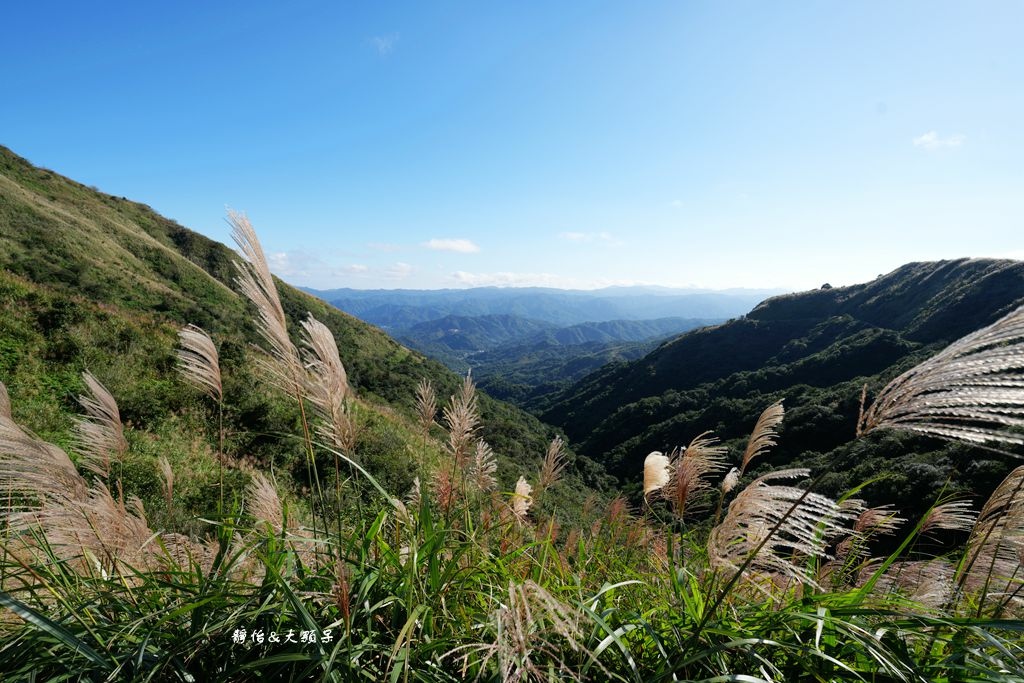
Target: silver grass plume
{"x": 426, "y": 404}
{"x": 992, "y": 563}
{"x": 765, "y": 434}
{"x": 927, "y": 582}
{"x": 461, "y": 418}
{"x": 102, "y": 529}
{"x": 38, "y": 471}
{"x": 257, "y": 284}
{"x": 971, "y": 391}
{"x": 956, "y": 515}
{"x": 690, "y": 469}
{"x": 99, "y": 436}
{"x": 199, "y": 362}
{"x": 656, "y": 472}
{"x": 264, "y": 503}
{"x": 530, "y": 634}
{"x": 553, "y": 466}
{"x": 522, "y": 500}
{"x": 83, "y": 525}
{"x": 166, "y": 479}
{"x": 327, "y": 385}
{"x": 5, "y": 402}
{"x": 801, "y": 521}
{"x": 483, "y": 467}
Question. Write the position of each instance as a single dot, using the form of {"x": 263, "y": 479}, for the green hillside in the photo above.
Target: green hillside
{"x": 84, "y": 273}
{"x": 815, "y": 350}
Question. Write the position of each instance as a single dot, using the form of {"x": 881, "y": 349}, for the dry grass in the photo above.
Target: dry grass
{"x": 765, "y": 434}
{"x": 657, "y": 472}
{"x": 99, "y": 433}
{"x": 772, "y": 530}
{"x": 971, "y": 391}
{"x": 257, "y": 284}
{"x": 199, "y": 362}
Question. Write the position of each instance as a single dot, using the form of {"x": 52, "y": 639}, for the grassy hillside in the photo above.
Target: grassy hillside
{"x": 815, "y": 350}
{"x": 319, "y": 573}
{"x": 85, "y": 273}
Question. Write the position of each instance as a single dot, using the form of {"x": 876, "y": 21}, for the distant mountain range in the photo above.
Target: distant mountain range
{"x": 399, "y": 309}
{"x": 520, "y": 360}
{"x": 815, "y": 350}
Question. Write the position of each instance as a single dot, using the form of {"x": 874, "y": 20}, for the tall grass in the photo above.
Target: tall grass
{"x": 458, "y": 579}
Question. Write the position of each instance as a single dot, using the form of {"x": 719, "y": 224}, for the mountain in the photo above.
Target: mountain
{"x": 400, "y": 309}
{"x": 815, "y": 350}
{"x": 465, "y": 334}
{"x": 525, "y": 361}
{"x": 95, "y": 281}
{"x": 612, "y": 331}
{"x": 529, "y": 373}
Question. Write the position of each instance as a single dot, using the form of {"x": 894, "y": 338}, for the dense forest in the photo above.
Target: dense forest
{"x": 815, "y": 351}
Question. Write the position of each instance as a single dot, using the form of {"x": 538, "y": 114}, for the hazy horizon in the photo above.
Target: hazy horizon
{"x": 576, "y": 146}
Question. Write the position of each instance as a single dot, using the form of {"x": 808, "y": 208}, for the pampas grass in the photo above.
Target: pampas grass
{"x": 199, "y": 362}
{"x": 327, "y": 386}
{"x": 690, "y": 470}
{"x": 426, "y": 405}
{"x": 970, "y": 392}
{"x": 264, "y": 504}
{"x": 771, "y": 529}
{"x": 522, "y": 499}
{"x": 656, "y": 472}
{"x": 99, "y": 433}
{"x": 257, "y": 284}
{"x": 764, "y": 436}
{"x": 553, "y": 467}
{"x": 483, "y": 468}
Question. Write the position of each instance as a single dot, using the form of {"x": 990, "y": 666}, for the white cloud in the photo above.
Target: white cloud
{"x": 399, "y": 271}
{"x": 461, "y": 246}
{"x": 931, "y": 141}
{"x": 356, "y": 268}
{"x": 603, "y": 237}
{"x": 384, "y": 44}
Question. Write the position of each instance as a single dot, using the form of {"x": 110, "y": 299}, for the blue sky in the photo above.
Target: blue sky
{"x": 443, "y": 144}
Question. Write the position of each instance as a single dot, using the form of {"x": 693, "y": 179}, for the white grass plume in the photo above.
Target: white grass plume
{"x": 257, "y": 284}
{"x": 656, "y": 472}
{"x": 483, "y": 468}
{"x": 327, "y": 385}
{"x": 37, "y": 471}
{"x": 992, "y": 563}
{"x": 531, "y": 631}
{"x": 765, "y": 434}
{"x": 972, "y": 391}
{"x": 522, "y": 500}
{"x": 5, "y": 402}
{"x": 166, "y": 479}
{"x": 426, "y": 404}
{"x": 553, "y": 467}
{"x": 691, "y": 468}
{"x": 801, "y": 521}
{"x": 264, "y": 503}
{"x": 99, "y": 436}
{"x": 462, "y": 419}
{"x": 199, "y": 362}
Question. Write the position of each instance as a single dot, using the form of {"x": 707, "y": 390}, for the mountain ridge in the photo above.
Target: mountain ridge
{"x": 813, "y": 349}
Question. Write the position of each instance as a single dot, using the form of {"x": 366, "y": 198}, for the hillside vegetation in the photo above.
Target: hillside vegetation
{"x": 816, "y": 350}
{"x": 289, "y": 497}
{"x": 95, "y": 282}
